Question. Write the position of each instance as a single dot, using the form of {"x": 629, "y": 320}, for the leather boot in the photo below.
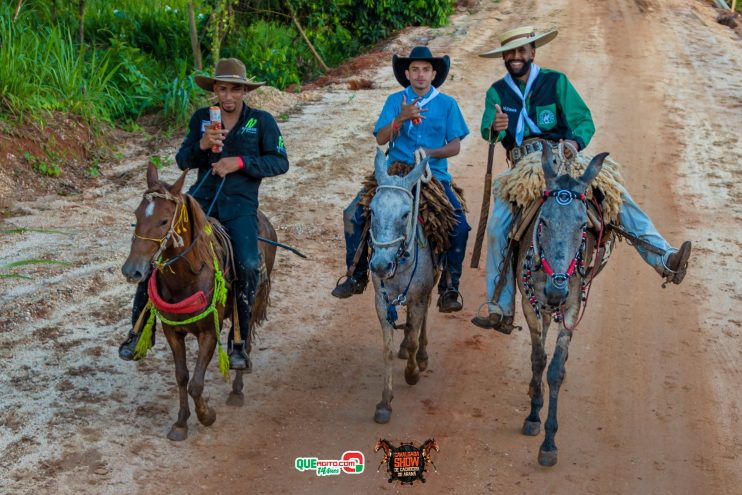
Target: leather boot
{"x": 126, "y": 349}
{"x": 448, "y": 301}
{"x": 238, "y": 358}
{"x": 678, "y": 263}
{"x": 351, "y": 286}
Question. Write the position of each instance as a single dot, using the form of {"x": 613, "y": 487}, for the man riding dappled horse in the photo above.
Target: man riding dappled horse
{"x": 232, "y": 159}
{"x": 530, "y": 106}
{"x": 418, "y": 117}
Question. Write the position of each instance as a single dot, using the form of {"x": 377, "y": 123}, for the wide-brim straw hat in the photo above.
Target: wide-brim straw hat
{"x": 518, "y": 37}
{"x": 441, "y": 65}
{"x": 229, "y": 70}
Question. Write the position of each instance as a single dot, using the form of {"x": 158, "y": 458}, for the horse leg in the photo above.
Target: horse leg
{"x": 384, "y": 408}
{"x": 179, "y": 429}
{"x": 422, "y": 352}
{"x": 547, "y": 455}
{"x": 532, "y": 423}
{"x": 402, "y": 353}
{"x": 416, "y": 311}
{"x": 206, "y": 345}
{"x": 236, "y": 397}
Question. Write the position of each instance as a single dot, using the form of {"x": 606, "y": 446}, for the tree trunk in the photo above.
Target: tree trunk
{"x": 17, "y": 10}
{"x": 82, "y": 23}
{"x": 194, "y": 37}
{"x": 309, "y": 43}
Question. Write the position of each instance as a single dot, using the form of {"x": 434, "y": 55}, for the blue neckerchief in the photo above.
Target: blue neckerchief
{"x": 523, "y": 117}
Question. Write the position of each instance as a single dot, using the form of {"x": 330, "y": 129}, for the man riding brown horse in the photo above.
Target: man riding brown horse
{"x": 246, "y": 147}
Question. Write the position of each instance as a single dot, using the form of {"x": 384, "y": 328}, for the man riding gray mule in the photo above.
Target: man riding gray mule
{"x": 553, "y": 260}
{"x": 528, "y": 105}
{"x": 418, "y": 117}
{"x": 402, "y": 270}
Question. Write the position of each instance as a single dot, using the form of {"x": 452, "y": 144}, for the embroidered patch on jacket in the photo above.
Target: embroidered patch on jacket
{"x": 280, "y": 147}
{"x": 250, "y": 126}
{"x": 546, "y": 117}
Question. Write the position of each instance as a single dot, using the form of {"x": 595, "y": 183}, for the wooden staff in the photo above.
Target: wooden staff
{"x": 484, "y": 214}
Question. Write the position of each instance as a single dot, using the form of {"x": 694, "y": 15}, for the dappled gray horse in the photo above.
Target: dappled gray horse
{"x": 402, "y": 271}
{"x": 551, "y": 280}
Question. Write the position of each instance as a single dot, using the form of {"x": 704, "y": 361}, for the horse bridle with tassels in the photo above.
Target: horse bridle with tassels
{"x": 177, "y": 226}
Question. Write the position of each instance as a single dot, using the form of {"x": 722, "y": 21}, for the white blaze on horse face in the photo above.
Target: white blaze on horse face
{"x": 149, "y": 211}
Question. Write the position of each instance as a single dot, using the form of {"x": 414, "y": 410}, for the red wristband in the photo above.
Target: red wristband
{"x": 395, "y": 125}
{"x": 242, "y": 164}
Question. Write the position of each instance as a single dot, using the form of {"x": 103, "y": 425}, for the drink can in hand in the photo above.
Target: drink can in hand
{"x": 215, "y": 116}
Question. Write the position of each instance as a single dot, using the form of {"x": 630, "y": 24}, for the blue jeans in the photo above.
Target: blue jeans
{"x": 632, "y": 219}
{"x": 452, "y": 261}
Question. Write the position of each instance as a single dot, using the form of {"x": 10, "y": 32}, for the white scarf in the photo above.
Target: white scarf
{"x": 523, "y": 117}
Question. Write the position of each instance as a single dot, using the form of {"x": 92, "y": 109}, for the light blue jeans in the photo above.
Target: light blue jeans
{"x": 632, "y": 219}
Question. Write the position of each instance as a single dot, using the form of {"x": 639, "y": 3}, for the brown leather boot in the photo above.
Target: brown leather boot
{"x": 495, "y": 321}
{"x": 677, "y": 263}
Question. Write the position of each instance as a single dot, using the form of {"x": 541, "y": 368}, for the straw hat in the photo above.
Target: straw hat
{"x": 229, "y": 70}
{"x": 518, "y": 37}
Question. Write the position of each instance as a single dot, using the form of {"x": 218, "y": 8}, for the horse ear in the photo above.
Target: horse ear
{"x": 592, "y": 170}
{"x": 178, "y": 186}
{"x": 547, "y": 160}
{"x": 411, "y": 179}
{"x": 152, "y": 177}
{"x": 380, "y": 166}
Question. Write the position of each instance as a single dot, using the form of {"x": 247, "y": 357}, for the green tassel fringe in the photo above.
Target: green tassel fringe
{"x": 223, "y": 362}
{"x": 145, "y": 339}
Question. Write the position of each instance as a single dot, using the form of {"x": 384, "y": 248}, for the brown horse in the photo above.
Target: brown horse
{"x": 172, "y": 226}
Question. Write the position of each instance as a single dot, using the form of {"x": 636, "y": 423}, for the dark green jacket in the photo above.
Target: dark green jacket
{"x": 257, "y": 139}
{"x": 553, "y": 105}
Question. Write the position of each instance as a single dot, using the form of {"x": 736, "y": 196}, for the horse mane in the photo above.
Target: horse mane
{"x": 201, "y": 249}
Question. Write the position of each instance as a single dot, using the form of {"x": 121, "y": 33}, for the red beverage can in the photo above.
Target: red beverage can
{"x": 215, "y": 116}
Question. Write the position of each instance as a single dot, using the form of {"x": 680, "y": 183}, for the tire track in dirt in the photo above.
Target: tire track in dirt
{"x": 649, "y": 404}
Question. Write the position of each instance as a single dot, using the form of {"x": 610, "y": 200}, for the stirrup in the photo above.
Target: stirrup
{"x": 459, "y": 300}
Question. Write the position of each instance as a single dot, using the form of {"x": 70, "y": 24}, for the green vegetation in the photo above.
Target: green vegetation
{"x": 127, "y": 58}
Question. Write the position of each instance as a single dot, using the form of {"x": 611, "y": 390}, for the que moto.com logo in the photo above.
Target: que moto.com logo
{"x": 351, "y": 462}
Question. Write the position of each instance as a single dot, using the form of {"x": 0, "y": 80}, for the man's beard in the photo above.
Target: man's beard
{"x": 522, "y": 72}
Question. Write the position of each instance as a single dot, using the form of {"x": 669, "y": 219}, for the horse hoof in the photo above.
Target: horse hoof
{"x": 547, "y": 459}
{"x": 208, "y": 418}
{"x": 422, "y": 364}
{"x": 403, "y": 353}
{"x": 178, "y": 433}
{"x": 383, "y": 414}
{"x": 531, "y": 428}
{"x": 236, "y": 399}
{"x": 411, "y": 377}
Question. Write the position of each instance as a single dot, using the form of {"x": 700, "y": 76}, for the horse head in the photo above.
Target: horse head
{"x": 383, "y": 444}
{"x": 430, "y": 444}
{"x": 559, "y": 234}
{"x": 392, "y": 216}
{"x": 158, "y": 225}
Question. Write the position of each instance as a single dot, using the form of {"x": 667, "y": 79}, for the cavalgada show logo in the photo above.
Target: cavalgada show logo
{"x": 407, "y": 463}
{"x": 351, "y": 462}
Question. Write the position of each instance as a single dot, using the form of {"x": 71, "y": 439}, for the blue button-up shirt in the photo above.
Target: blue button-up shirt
{"x": 442, "y": 123}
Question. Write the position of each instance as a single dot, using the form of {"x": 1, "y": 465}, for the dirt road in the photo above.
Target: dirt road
{"x": 651, "y": 403}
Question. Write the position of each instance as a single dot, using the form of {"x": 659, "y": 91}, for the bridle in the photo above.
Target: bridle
{"x": 405, "y": 241}
{"x": 532, "y": 264}
{"x": 178, "y": 225}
